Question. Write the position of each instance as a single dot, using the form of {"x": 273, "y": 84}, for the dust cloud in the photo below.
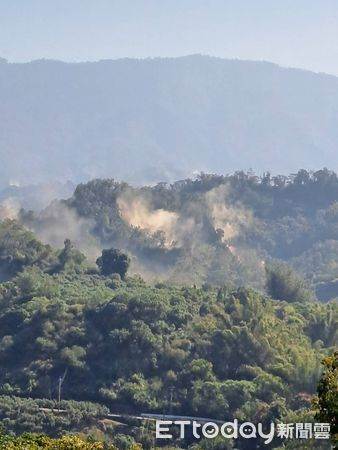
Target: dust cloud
{"x": 230, "y": 219}
{"x": 10, "y": 208}
{"x": 59, "y": 222}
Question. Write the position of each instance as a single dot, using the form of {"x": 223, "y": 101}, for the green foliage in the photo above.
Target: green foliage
{"x": 37, "y": 442}
{"x": 113, "y": 261}
{"x": 263, "y": 220}
{"x": 284, "y": 284}
{"x": 327, "y": 402}
{"x": 205, "y": 349}
{"x": 70, "y": 256}
{"x": 22, "y": 415}
{"x": 129, "y": 345}
{"x": 19, "y": 248}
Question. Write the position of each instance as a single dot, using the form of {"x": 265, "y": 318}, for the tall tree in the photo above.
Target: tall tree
{"x": 113, "y": 260}
{"x": 328, "y": 395}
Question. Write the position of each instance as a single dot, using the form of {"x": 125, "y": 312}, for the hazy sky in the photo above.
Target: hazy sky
{"x": 297, "y": 33}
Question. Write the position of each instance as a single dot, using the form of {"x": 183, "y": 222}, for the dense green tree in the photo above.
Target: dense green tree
{"x": 113, "y": 261}
{"x": 327, "y": 390}
{"x": 69, "y": 255}
{"x": 19, "y": 248}
{"x": 284, "y": 284}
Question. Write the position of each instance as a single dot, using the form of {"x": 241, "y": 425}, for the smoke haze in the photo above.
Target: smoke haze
{"x": 224, "y": 217}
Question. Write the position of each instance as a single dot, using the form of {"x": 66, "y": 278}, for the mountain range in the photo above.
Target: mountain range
{"x": 160, "y": 119}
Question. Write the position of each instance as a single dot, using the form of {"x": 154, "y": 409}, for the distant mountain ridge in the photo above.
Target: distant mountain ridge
{"x": 161, "y": 119}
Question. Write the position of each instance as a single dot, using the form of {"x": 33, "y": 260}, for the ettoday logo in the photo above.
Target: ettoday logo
{"x": 210, "y": 430}
{"x": 245, "y": 430}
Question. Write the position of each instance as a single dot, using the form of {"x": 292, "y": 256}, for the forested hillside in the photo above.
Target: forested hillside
{"x": 203, "y": 351}
{"x": 191, "y": 335}
{"x": 161, "y": 119}
{"x": 211, "y": 229}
